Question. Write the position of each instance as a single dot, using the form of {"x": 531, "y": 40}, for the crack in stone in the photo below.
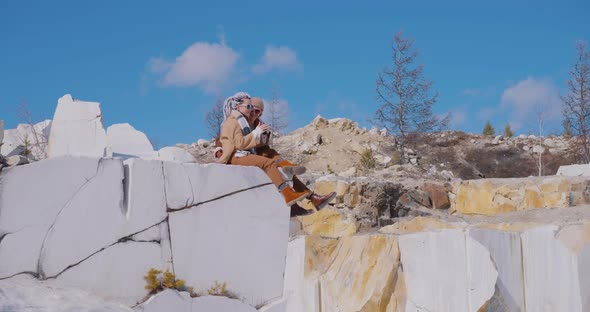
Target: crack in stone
{"x": 125, "y": 239}
{"x": 39, "y": 262}
{"x": 218, "y": 197}
{"x": 170, "y": 243}
{"x": 33, "y": 274}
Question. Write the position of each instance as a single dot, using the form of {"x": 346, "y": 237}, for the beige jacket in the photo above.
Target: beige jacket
{"x": 232, "y": 139}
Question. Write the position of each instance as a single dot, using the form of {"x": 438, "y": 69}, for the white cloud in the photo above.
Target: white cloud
{"x": 279, "y": 58}
{"x": 458, "y": 118}
{"x": 208, "y": 66}
{"x": 531, "y": 96}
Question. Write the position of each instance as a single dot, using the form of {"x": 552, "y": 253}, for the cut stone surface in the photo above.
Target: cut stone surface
{"x": 492, "y": 196}
{"x": 465, "y": 284}
{"x": 77, "y": 129}
{"x": 365, "y": 283}
{"x": 167, "y": 300}
{"x": 126, "y": 142}
{"x": 27, "y": 219}
{"x": 574, "y": 170}
{"x": 191, "y": 184}
{"x": 26, "y": 294}
{"x": 303, "y": 294}
{"x": 176, "y": 154}
{"x": 116, "y": 273}
{"x": 254, "y": 222}
{"x": 275, "y": 306}
{"x": 556, "y": 266}
{"x": 329, "y": 223}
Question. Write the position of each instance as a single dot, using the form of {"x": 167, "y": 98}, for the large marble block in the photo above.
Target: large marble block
{"x": 239, "y": 239}
{"x": 77, "y": 129}
{"x": 505, "y": 250}
{"x": 556, "y": 263}
{"x": 574, "y": 170}
{"x": 191, "y": 184}
{"x": 446, "y": 270}
{"x": 79, "y": 212}
{"x": 126, "y": 142}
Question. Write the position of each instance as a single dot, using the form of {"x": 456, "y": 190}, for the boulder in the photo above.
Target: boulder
{"x": 77, "y": 129}
{"x": 438, "y": 195}
{"x": 175, "y": 154}
{"x": 203, "y": 142}
{"x": 126, "y": 142}
{"x": 16, "y": 160}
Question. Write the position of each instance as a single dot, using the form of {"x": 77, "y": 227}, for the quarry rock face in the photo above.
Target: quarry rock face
{"x": 517, "y": 262}
{"x": 77, "y": 129}
{"x": 100, "y": 224}
{"x": 493, "y": 196}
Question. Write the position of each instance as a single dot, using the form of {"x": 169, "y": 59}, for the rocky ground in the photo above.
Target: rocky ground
{"x": 363, "y": 167}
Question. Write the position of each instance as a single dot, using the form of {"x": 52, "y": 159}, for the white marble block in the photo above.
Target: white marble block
{"x": 191, "y": 184}
{"x": 446, "y": 271}
{"x": 556, "y": 263}
{"x": 126, "y": 142}
{"x": 240, "y": 240}
{"x": 505, "y": 250}
{"x": 77, "y": 129}
{"x": 302, "y": 294}
{"x": 574, "y": 170}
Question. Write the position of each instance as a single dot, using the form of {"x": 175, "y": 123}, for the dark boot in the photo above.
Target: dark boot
{"x": 321, "y": 201}
{"x": 297, "y": 210}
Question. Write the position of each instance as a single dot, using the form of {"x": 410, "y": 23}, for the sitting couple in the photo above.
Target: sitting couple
{"x": 244, "y": 141}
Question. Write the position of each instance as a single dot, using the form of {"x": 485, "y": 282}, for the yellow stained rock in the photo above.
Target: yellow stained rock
{"x": 493, "y": 196}
{"x": 363, "y": 274}
{"x": 329, "y": 222}
{"x": 417, "y": 224}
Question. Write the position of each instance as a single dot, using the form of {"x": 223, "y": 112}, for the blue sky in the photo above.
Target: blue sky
{"x": 160, "y": 65}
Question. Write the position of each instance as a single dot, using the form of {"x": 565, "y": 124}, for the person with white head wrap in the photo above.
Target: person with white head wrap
{"x": 238, "y": 143}
{"x": 232, "y": 102}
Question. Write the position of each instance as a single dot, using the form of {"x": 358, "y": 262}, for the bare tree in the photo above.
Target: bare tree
{"x": 214, "y": 118}
{"x": 576, "y": 103}
{"x": 34, "y": 140}
{"x": 276, "y": 112}
{"x": 405, "y": 96}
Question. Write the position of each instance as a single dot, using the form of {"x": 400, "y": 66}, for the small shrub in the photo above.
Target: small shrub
{"x": 158, "y": 281}
{"x": 488, "y": 129}
{"x": 220, "y": 289}
{"x": 329, "y": 169}
{"x": 508, "y": 131}
{"x": 367, "y": 160}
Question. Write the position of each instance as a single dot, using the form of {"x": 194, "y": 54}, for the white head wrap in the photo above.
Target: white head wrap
{"x": 232, "y": 102}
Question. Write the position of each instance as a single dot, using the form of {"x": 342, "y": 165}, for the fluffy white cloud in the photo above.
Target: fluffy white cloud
{"x": 206, "y": 65}
{"x": 532, "y": 96}
{"x": 279, "y": 58}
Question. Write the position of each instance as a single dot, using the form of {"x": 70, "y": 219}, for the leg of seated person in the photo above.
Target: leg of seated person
{"x": 266, "y": 164}
{"x": 299, "y": 186}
